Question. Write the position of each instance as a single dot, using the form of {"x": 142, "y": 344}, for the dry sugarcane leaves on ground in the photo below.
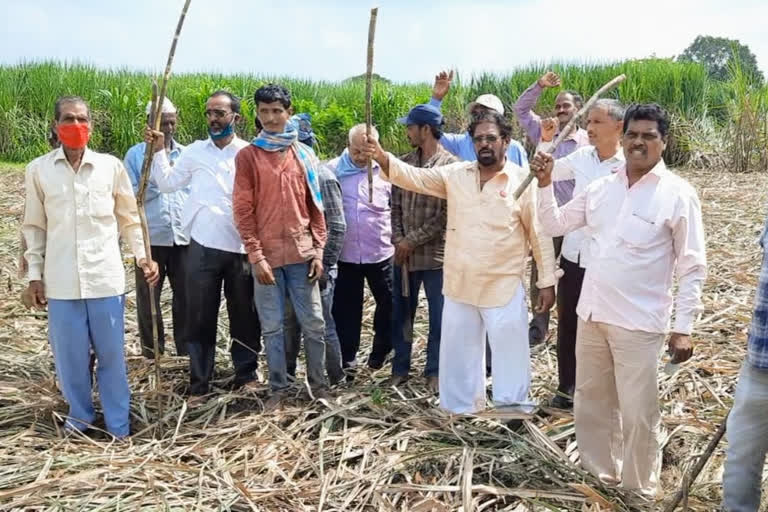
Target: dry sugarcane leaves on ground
{"x": 371, "y": 447}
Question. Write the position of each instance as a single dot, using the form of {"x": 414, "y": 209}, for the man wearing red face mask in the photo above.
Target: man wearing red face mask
{"x": 77, "y": 204}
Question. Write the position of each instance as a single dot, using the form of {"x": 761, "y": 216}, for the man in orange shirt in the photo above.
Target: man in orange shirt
{"x": 279, "y": 213}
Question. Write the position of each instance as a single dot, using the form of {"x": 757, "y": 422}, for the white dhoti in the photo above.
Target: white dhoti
{"x": 462, "y": 354}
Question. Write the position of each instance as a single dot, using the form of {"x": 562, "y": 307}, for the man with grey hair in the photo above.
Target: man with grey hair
{"x": 167, "y": 238}
{"x": 366, "y": 254}
{"x": 586, "y": 164}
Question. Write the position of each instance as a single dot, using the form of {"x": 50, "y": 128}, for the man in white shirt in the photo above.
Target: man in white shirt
{"x": 77, "y": 204}
{"x": 643, "y": 224}
{"x": 603, "y": 156}
{"x": 216, "y": 254}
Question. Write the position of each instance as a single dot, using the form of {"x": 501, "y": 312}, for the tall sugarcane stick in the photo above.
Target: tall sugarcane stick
{"x": 568, "y": 127}
{"x": 368, "y": 93}
{"x": 155, "y": 118}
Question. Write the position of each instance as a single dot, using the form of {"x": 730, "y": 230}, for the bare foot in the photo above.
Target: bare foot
{"x": 433, "y": 384}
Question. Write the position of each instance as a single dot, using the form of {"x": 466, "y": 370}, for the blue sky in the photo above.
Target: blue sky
{"x": 326, "y": 39}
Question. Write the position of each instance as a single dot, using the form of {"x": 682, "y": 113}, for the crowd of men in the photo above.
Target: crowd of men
{"x": 293, "y": 242}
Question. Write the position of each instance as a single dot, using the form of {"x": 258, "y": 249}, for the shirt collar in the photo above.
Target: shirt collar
{"x": 88, "y": 156}
{"x": 579, "y": 136}
{"x": 618, "y": 157}
{"x": 659, "y": 171}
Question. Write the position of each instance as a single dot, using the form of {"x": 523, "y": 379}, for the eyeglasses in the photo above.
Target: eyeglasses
{"x": 490, "y": 139}
{"x": 217, "y": 114}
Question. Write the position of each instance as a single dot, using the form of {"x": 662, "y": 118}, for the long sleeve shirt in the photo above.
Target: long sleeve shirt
{"x": 273, "y": 208}
{"x": 488, "y": 233}
{"x": 757, "y": 339}
{"x": 369, "y": 224}
{"x": 531, "y": 123}
{"x": 639, "y": 237}
{"x": 72, "y": 221}
{"x": 164, "y": 211}
{"x": 461, "y": 145}
{"x": 582, "y": 167}
{"x": 209, "y": 172}
{"x": 420, "y": 218}
{"x": 333, "y": 209}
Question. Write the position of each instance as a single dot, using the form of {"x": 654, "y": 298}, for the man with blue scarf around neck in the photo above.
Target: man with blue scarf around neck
{"x": 278, "y": 211}
{"x": 215, "y": 255}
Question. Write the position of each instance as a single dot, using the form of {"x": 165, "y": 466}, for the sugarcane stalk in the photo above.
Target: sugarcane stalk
{"x": 568, "y": 127}
{"x": 694, "y": 473}
{"x": 155, "y": 119}
{"x": 368, "y": 93}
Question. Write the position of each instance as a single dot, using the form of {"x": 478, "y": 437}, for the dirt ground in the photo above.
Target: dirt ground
{"x": 371, "y": 447}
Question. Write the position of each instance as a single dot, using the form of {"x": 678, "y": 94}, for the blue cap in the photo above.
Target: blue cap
{"x": 423, "y": 114}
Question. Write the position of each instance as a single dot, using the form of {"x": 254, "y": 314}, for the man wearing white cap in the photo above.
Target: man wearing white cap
{"x": 167, "y": 238}
{"x": 460, "y": 144}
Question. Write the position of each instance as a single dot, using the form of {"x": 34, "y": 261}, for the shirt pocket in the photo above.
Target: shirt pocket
{"x": 639, "y": 231}
{"x": 101, "y": 201}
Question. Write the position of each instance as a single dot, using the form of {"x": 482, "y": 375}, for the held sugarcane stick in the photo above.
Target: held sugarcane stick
{"x": 368, "y": 93}
{"x": 148, "y": 250}
{"x": 565, "y": 131}
{"x": 690, "y": 477}
{"x": 155, "y": 118}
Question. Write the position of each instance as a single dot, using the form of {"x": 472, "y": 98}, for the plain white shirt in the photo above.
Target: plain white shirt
{"x": 583, "y": 166}
{"x": 210, "y": 174}
{"x": 638, "y": 237}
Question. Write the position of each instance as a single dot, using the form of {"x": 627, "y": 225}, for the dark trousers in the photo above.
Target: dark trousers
{"x": 568, "y": 292}
{"x": 207, "y": 269}
{"x": 348, "y": 309}
{"x": 404, "y": 313}
{"x": 540, "y": 321}
{"x": 170, "y": 262}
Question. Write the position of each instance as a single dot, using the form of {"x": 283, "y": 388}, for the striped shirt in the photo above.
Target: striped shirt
{"x": 420, "y": 218}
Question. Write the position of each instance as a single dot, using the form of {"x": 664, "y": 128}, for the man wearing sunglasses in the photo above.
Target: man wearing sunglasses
{"x": 488, "y": 237}
{"x": 216, "y": 253}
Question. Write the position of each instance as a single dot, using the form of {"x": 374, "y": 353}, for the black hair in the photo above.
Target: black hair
{"x": 234, "y": 101}
{"x": 68, "y": 99}
{"x": 437, "y": 131}
{"x": 271, "y": 93}
{"x": 578, "y": 101}
{"x": 491, "y": 116}
{"x": 648, "y": 112}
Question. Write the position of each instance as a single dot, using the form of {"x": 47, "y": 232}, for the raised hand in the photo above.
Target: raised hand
{"x": 442, "y": 84}
{"x": 549, "y": 79}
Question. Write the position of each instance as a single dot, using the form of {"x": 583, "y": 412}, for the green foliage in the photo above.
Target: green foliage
{"x": 118, "y": 97}
{"x": 718, "y": 54}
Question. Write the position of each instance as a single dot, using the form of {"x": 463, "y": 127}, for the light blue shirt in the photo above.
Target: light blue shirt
{"x": 461, "y": 145}
{"x": 163, "y": 210}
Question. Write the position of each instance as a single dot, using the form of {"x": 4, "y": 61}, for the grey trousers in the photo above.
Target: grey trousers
{"x": 747, "y": 434}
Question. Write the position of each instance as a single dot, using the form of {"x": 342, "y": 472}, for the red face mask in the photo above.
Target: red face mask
{"x": 73, "y": 136}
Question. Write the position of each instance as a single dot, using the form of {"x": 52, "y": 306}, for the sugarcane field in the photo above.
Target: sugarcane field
{"x": 332, "y": 257}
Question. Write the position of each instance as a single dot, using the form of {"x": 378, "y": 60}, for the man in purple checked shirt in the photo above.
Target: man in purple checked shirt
{"x": 366, "y": 255}
{"x": 539, "y": 131}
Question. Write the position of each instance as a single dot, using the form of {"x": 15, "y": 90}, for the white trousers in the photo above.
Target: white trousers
{"x": 462, "y": 354}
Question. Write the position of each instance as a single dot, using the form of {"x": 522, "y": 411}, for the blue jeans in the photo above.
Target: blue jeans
{"x": 332, "y": 345}
{"x": 292, "y": 283}
{"x": 73, "y": 327}
{"x": 404, "y": 312}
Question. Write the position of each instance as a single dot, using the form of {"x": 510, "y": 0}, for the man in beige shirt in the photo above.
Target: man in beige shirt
{"x": 77, "y": 204}
{"x": 488, "y": 237}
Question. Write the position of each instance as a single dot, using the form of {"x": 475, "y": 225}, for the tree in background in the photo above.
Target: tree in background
{"x": 717, "y": 54}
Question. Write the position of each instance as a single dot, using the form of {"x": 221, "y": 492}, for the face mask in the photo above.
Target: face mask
{"x": 226, "y": 132}
{"x": 73, "y": 136}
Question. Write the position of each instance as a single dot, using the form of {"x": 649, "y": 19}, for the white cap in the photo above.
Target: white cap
{"x": 168, "y": 107}
{"x": 489, "y": 101}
